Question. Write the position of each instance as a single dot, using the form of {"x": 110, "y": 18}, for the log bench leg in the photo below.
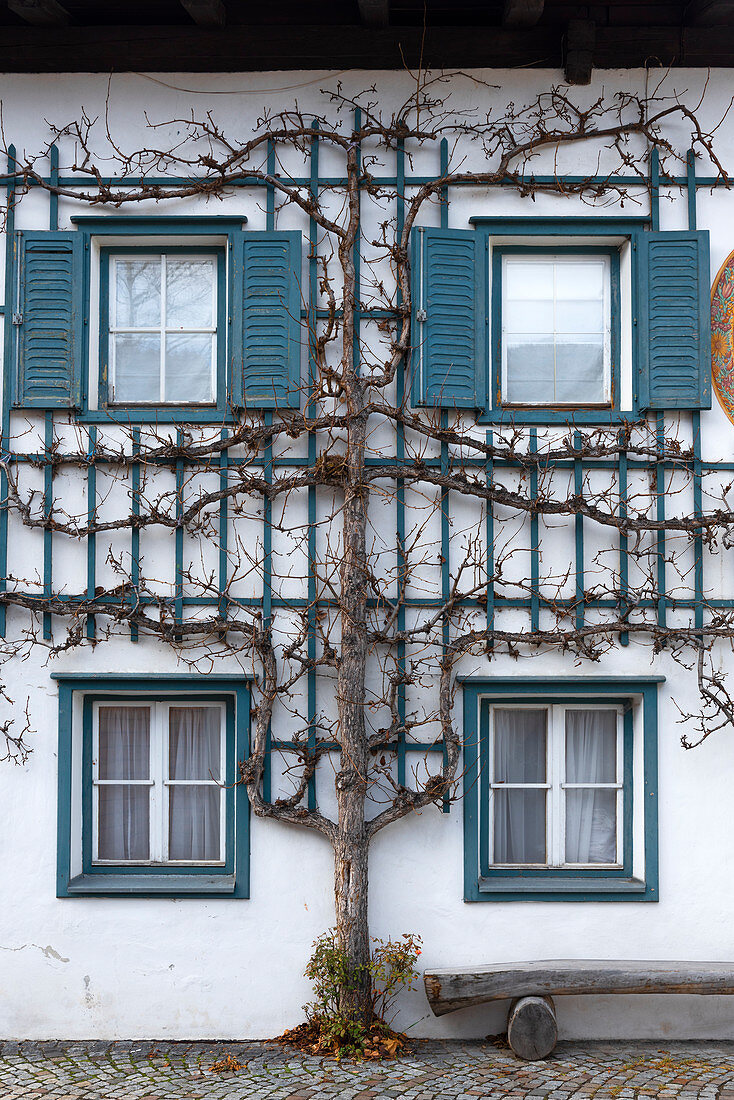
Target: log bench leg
{"x": 531, "y": 1027}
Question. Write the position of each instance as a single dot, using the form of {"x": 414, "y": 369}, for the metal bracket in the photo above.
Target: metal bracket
{"x": 17, "y": 318}
{"x": 421, "y": 315}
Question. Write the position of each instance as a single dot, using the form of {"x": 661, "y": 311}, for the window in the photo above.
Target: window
{"x": 552, "y": 320}
{"x": 150, "y": 320}
{"x": 148, "y": 802}
{"x": 555, "y": 785}
{"x": 159, "y": 322}
{"x": 560, "y": 789}
{"x": 555, "y": 331}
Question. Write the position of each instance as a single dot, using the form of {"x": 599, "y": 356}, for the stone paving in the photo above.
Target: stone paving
{"x": 432, "y": 1071}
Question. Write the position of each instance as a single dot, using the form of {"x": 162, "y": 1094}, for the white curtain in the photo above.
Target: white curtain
{"x": 591, "y": 815}
{"x": 124, "y": 809}
{"x": 519, "y": 814}
{"x": 194, "y": 811}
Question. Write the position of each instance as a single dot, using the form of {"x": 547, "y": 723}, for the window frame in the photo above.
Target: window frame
{"x": 555, "y": 785}
{"x": 107, "y": 254}
{"x": 77, "y": 873}
{"x": 150, "y": 234}
{"x": 611, "y": 370}
{"x": 566, "y": 234}
{"x": 636, "y": 879}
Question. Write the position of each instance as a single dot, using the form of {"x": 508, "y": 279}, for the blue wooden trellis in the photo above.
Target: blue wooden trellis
{"x": 268, "y": 601}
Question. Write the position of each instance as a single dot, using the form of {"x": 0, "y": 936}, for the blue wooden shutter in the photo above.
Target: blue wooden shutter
{"x": 266, "y": 320}
{"x": 446, "y": 349}
{"x": 674, "y": 320}
{"x": 49, "y": 316}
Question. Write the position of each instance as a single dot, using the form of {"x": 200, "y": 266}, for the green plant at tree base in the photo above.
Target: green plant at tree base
{"x": 391, "y": 969}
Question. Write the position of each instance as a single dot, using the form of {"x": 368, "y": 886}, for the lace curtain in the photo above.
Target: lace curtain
{"x": 591, "y": 815}
{"x": 124, "y": 808}
{"x": 194, "y": 742}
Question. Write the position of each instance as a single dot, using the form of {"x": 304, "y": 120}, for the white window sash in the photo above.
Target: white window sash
{"x": 559, "y": 258}
{"x": 556, "y": 784}
{"x": 493, "y": 786}
{"x": 163, "y": 329}
{"x": 159, "y": 782}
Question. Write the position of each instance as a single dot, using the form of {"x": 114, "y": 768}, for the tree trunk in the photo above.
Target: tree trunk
{"x": 351, "y": 844}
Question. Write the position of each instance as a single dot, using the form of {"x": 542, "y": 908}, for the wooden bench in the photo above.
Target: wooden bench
{"x": 531, "y": 986}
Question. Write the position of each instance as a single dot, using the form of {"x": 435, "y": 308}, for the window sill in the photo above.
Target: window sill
{"x": 159, "y": 414}
{"x": 160, "y": 885}
{"x": 567, "y": 888}
{"x": 524, "y": 415}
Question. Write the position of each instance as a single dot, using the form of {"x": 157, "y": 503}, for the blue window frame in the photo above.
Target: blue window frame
{"x": 157, "y": 861}
{"x": 104, "y": 238}
{"x": 574, "y": 835}
{"x": 608, "y": 238}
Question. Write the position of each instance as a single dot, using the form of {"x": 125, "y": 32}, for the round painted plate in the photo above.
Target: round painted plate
{"x": 722, "y": 336}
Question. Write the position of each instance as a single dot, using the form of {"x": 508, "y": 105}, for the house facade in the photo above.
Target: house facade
{"x": 563, "y": 312}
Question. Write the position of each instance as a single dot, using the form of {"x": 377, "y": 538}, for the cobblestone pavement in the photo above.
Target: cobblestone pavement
{"x": 432, "y": 1071}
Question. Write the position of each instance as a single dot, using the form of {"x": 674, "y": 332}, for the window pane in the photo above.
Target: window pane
{"x": 194, "y": 746}
{"x": 124, "y": 823}
{"x": 591, "y": 746}
{"x": 530, "y": 369}
{"x": 591, "y": 826}
{"x": 580, "y": 369}
{"x": 189, "y": 293}
{"x": 519, "y": 746}
{"x": 194, "y": 823}
{"x": 137, "y": 361}
{"x": 577, "y": 315}
{"x": 580, "y": 279}
{"x": 519, "y": 826}
{"x": 528, "y": 279}
{"x": 124, "y": 743}
{"x": 137, "y": 293}
{"x": 189, "y": 368}
{"x": 528, "y": 316}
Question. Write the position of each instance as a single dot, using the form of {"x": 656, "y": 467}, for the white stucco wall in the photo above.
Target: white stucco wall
{"x": 125, "y": 968}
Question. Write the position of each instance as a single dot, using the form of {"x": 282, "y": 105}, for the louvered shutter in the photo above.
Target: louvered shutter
{"x": 266, "y": 320}
{"x": 446, "y": 349}
{"x": 49, "y": 316}
{"x": 674, "y": 320}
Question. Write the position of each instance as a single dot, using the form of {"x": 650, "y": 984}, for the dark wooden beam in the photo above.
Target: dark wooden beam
{"x": 251, "y": 48}
{"x": 710, "y": 13}
{"x": 580, "y": 42}
{"x": 522, "y": 13}
{"x": 206, "y": 13}
{"x": 42, "y": 13}
{"x": 248, "y": 48}
{"x": 374, "y": 13}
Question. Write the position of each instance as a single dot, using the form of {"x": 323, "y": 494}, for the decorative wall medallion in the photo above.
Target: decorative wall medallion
{"x": 722, "y": 336}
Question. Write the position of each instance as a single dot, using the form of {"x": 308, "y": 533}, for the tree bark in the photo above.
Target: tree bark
{"x": 351, "y": 894}
{"x": 351, "y": 844}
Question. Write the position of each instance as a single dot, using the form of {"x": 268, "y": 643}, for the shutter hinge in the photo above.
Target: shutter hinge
{"x": 421, "y": 315}
{"x": 17, "y": 318}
